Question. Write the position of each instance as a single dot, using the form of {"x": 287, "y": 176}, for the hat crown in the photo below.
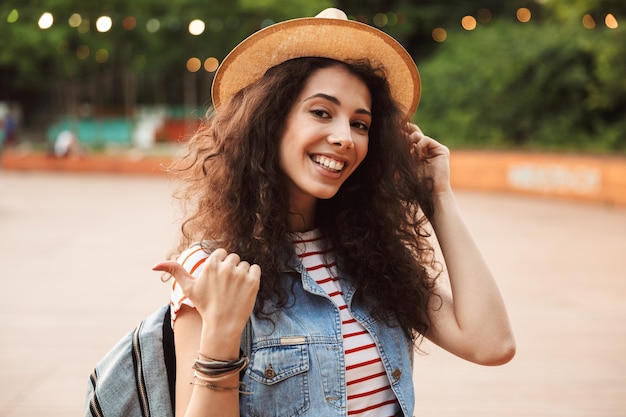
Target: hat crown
{"x": 331, "y": 35}
{"x": 332, "y": 13}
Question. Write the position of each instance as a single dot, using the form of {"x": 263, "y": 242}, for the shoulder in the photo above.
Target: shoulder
{"x": 193, "y": 257}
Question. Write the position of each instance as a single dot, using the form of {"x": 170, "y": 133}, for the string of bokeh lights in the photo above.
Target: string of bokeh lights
{"x": 197, "y": 27}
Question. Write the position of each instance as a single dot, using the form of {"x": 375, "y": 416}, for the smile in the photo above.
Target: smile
{"x": 328, "y": 163}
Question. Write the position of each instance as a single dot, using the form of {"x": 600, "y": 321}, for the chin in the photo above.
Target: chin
{"x": 326, "y": 194}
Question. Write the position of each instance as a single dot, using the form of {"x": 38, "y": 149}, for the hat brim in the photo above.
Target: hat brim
{"x": 343, "y": 40}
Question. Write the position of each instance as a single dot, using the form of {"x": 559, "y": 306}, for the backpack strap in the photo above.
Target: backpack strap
{"x": 138, "y": 365}
{"x": 169, "y": 354}
{"x": 130, "y": 380}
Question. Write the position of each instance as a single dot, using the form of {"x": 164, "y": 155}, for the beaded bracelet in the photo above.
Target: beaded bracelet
{"x": 214, "y": 378}
{"x": 209, "y": 382}
{"x": 213, "y": 367}
{"x": 215, "y": 387}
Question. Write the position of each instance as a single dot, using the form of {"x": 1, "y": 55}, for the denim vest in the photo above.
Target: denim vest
{"x": 297, "y": 360}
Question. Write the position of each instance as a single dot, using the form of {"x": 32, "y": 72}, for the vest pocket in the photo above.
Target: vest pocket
{"x": 278, "y": 380}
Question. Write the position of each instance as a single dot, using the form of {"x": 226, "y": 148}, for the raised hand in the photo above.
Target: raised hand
{"x": 433, "y": 158}
{"x": 225, "y": 292}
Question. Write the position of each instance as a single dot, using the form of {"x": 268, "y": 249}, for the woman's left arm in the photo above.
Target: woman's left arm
{"x": 468, "y": 318}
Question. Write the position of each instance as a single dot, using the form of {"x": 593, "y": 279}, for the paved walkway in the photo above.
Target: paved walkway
{"x": 76, "y": 252}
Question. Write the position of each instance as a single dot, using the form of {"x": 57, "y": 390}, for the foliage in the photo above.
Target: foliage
{"x": 150, "y": 64}
{"x": 549, "y": 83}
{"x": 546, "y": 86}
{"x": 567, "y": 11}
{"x": 416, "y": 20}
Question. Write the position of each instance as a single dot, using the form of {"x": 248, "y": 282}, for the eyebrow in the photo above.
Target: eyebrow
{"x": 336, "y": 101}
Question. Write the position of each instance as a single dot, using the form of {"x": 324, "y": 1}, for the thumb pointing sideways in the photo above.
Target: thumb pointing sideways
{"x": 174, "y": 269}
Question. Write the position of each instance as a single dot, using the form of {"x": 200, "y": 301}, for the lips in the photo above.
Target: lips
{"x": 328, "y": 163}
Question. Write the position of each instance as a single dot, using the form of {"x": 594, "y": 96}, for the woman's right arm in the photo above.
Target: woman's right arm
{"x": 196, "y": 400}
{"x": 224, "y": 295}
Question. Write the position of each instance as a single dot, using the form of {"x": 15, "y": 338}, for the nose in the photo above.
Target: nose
{"x": 341, "y": 135}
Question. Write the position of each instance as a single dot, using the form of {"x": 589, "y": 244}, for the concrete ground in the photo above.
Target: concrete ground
{"x": 75, "y": 258}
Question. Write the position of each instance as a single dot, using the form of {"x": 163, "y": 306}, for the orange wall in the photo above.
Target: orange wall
{"x": 92, "y": 163}
{"x": 591, "y": 178}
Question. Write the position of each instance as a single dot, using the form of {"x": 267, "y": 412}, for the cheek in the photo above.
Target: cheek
{"x": 362, "y": 150}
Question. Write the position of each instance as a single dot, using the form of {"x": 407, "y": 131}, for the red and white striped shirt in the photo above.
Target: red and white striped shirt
{"x": 369, "y": 391}
{"x": 191, "y": 259}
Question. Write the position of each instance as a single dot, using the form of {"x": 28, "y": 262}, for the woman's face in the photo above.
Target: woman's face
{"x": 326, "y": 135}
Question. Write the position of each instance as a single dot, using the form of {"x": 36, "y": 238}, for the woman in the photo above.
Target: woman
{"x": 310, "y": 198}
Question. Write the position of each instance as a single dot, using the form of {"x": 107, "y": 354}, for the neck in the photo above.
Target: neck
{"x": 301, "y": 217}
{"x": 300, "y": 223}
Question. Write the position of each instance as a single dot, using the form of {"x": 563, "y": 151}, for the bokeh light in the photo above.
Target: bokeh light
{"x": 75, "y": 20}
{"x": 84, "y": 26}
{"x": 102, "y": 56}
{"x": 211, "y": 64}
{"x": 380, "y": 20}
{"x": 196, "y": 27}
{"x": 468, "y": 23}
{"x": 439, "y": 34}
{"x": 82, "y": 52}
{"x": 523, "y": 15}
{"x": 153, "y": 25}
{"x": 45, "y": 21}
{"x": 589, "y": 22}
{"x": 13, "y": 16}
{"x": 266, "y": 22}
{"x": 104, "y": 24}
{"x": 610, "y": 21}
{"x": 129, "y": 23}
{"x": 193, "y": 64}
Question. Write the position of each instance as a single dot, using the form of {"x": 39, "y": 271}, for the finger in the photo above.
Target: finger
{"x": 167, "y": 266}
{"x": 255, "y": 271}
{"x": 430, "y": 148}
{"x": 244, "y": 266}
{"x": 232, "y": 259}
{"x": 218, "y": 255}
{"x": 423, "y": 147}
{"x": 176, "y": 270}
{"x": 254, "y": 278}
{"x": 413, "y": 128}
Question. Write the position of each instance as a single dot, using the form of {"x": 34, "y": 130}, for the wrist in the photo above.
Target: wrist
{"x": 443, "y": 202}
{"x": 216, "y": 342}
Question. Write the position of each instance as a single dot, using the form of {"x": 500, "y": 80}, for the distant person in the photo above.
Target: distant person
{"x": 66, "y": 144}
{"x": 10, "y": 130}
{"x": 311, "y": 198}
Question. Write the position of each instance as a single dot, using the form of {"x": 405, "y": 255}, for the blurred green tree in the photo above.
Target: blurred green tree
{"x": 412, "y": 22}
{"x": 140, "y": 59}
{"x": 570, "y": 77}
{"x": 554, "y": 87}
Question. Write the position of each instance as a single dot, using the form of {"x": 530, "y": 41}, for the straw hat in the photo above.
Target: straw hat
{"x": 331, "y": 35}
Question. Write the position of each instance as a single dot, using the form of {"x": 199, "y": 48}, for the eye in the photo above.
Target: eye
{"x": 322, "y": 114}
{"x": 361, "y": 126}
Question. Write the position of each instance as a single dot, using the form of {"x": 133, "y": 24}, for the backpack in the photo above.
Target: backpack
{"x": 137, "y": 377}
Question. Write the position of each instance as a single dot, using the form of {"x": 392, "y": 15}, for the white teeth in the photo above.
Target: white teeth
{"x": 328, "y": 163}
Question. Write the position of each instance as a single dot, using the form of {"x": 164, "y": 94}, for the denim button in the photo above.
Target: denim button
{"x": 396, "y": 374}
{"x": 269, "y": 372}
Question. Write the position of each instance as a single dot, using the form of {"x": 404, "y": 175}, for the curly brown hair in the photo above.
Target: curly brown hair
{"x": 234, "y": 197}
